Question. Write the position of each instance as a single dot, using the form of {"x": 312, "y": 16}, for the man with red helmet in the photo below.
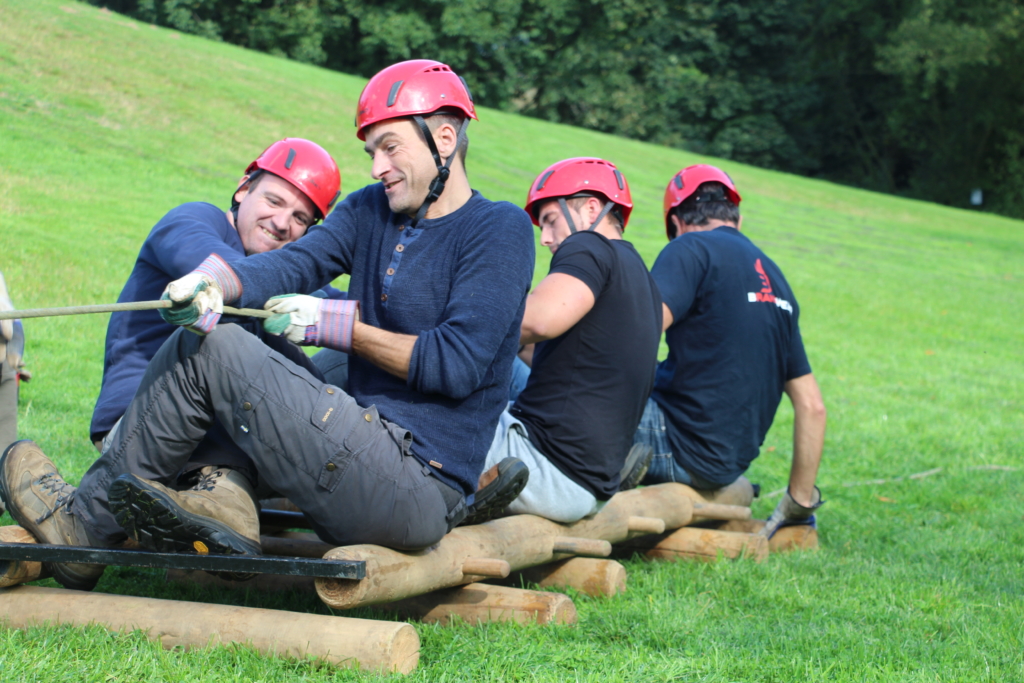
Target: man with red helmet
{"x": 732, "y": 329}
{"x": 596, "y": 323}
{"x": 439, "y": 277}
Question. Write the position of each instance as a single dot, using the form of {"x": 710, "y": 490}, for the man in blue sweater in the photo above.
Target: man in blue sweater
{"x": 439, "y": 281}
{"x": 292, "y": 185}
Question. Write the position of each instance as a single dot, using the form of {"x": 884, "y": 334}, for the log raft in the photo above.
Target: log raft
{"x": 523, "y": 541}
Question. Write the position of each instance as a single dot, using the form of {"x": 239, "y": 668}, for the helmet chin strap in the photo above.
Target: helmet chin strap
{"x": 443, "y": 170}
{"x": 568, "y": 218}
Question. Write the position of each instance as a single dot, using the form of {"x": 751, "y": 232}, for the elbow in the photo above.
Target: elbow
{"x": 816, "y": 411}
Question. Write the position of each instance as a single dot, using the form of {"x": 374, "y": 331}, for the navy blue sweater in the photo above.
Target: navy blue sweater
{"x": 459, "y": 283}
{"x": 179, "y": 242}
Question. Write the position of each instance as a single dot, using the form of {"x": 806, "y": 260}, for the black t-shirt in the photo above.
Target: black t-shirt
{"x": 588, "y": 387}
{"x": 734, "y": 343}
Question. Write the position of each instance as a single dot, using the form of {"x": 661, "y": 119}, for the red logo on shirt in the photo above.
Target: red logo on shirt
{"x": 766, "y": 295}
{"x": 766, "y": 285}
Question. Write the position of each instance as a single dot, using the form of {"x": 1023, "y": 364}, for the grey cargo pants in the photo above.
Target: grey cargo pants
{"x": 351, "y": 472}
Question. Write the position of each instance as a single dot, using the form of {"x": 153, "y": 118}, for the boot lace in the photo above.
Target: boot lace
{"x": 52, "y": 482}
{"x": 208, "y": 481}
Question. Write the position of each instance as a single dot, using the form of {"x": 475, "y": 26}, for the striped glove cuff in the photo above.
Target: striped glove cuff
{"x": 334, "y": 328}
{"x": 218, "y": 270}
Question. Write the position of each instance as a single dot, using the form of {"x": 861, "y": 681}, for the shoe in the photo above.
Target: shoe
{"x": 504, "y": 482}
{"x": 39, "y": 499}
{"x": 638, "y": 460}
{"x": 216, "y": 516}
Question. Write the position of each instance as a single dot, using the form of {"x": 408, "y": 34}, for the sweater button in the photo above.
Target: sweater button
{"x": 401, "y": 228}
{"x": 400, "y": 248}
{"x": 391, "y": 271}
{"x": 383, "y": 297}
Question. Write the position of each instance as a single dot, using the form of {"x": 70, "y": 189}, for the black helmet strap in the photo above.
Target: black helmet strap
{"x": 443, "y": 170}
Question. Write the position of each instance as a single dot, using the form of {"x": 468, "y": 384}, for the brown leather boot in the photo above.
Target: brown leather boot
{"x": 218, "y": 515}
{"x": 39, "y": 499}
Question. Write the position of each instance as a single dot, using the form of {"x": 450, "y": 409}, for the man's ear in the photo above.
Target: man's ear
{"x": 446, "y": 137}
{"x": 677, "y": 225}
{"x": 243, "y": 189}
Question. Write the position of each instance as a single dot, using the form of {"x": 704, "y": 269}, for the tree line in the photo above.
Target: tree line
{"x": 921, "y": 98}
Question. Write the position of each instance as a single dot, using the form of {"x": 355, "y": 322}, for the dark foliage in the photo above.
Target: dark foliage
{"x": 923, "y": 98}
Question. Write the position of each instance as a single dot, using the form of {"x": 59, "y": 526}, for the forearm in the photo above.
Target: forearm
{"x": 390, "y": 351}
{"x": 808, "y": 436}
{"x": 526, "y": 354}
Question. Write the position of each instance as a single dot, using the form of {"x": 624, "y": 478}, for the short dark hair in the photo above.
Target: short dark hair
{"x": 578, "y": 200}
{"x": 250, "y": 185}
{"x": 454, "y": 118}
{"x": 709, "y": 202}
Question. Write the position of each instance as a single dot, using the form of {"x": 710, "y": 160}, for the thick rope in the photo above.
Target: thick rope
{"x": 114, "y": 308}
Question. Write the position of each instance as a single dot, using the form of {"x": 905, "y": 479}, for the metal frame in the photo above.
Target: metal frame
{"x": 242, "y": 564}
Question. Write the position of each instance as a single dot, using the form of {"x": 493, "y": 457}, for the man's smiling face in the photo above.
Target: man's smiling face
{"x": 401, "y": 162}
{"x": 272, "y": 212}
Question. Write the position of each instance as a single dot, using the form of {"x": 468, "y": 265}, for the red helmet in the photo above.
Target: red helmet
{"x": 686, "y": 182}
{"x": 581, "y": 174}
{"x": 411, "y": 88}
{"x": 307, "y": 166}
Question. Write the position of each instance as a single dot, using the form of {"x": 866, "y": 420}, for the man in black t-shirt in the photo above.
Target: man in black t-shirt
{"x": 596, "y": 323}
{"x": 732, "y": 328}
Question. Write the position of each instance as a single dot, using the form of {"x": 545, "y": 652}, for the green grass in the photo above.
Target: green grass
{"x": 911, "y": 318}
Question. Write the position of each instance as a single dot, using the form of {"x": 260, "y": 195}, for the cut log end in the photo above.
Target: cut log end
{"x": 590, "y": 576}
{"x": 486, "y": 567}
{"x": 645, "y": 525}
{"x": 587, "y": 547}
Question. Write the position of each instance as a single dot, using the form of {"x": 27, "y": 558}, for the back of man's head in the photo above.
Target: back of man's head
{"x": 710, "y": 202}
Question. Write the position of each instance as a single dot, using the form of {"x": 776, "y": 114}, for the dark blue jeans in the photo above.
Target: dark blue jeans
{"x": 664, "y": 467}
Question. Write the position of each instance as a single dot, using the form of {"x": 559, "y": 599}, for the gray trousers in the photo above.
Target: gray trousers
{"x": 351, "y": 472}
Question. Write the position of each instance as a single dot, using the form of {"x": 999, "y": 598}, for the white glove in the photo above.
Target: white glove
{"x": 198, "y": 303}
{"x": 294, "y": 314}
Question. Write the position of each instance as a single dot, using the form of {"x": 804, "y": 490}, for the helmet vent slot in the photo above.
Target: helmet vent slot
{"x": 393, "y": 95}
{"x": 291, "y": 158}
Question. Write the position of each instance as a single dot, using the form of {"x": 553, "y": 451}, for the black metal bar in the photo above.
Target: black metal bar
{"x": 284, "y": 519}
{"x": 247, "y": 564}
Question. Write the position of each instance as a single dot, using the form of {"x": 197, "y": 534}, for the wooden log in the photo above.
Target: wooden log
{"x": 481, "y": 603}
{"x": 13, "y": 572}
{"x": 589, "y": 547}
{"x": 373, "y": 645}
{"x": 719, "y": 511}
{"x": 486, "y": 567}
{"x": 590, "y": 576}
{"x": 701, "y": 544}
{"x": 645, "y": 525}
{"x": 521, "y": 540}
{"x": 473, "y": 603}
{"x": 787, "y": 539}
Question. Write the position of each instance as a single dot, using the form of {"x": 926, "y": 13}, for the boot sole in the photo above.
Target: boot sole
{"x": 63, "y": 573}
{"x": 509, "y": 484}
{"x": 158, "y": 523}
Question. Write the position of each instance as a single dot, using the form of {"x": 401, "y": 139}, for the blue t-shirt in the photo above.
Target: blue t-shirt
{"x": 458, "y": 283}
{"x": 734, "y": 343}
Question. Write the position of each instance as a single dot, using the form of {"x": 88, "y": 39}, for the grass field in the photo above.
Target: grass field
{"x": 909, "y": 314}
